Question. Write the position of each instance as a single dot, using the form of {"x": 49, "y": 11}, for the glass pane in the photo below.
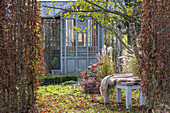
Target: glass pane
{"x": 82, "y": 39}
{"x": 69, "y": 32}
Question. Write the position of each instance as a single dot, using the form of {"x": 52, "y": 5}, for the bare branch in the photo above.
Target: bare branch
{"x": 97, "y": 10}
{"x": 114, "y": 12}
{"x": 69, "y": 10}
{"x": 134, "y": 8}
{"x": 95, "y": 4}
{"x": 117, "y": 36}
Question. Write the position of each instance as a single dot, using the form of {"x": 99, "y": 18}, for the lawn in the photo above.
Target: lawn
{"x": 65, "y": 99}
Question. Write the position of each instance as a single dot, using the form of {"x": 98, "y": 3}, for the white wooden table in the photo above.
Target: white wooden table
{"x": 128, "y": 86}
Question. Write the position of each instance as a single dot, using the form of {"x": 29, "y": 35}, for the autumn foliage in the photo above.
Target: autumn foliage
{"x": 154, "y": 58}
{"x": 91, "y": 79}
{"x": 21, "y": 57}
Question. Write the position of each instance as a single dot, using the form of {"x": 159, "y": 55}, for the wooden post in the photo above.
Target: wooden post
{"x": 141, "y": 98}
{"x": 64, "y": 36}
{"x": 76, "y": 48}
{"x": 102, "y": 39}
{"x": 128, "y": 97}
{"x": 118, "y": 95}
{"x": 98, "y": 28}
{"x": 106, "y": 97}
{"x": 61, "y": 45}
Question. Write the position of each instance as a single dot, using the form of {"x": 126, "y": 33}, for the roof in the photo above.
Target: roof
{"x": 53, "y": 12}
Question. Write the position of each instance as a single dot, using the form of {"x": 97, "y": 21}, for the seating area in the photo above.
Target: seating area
{"x": 123, "y": 81}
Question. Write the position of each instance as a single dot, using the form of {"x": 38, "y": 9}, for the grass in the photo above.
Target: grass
{"x": 64, "y": 99}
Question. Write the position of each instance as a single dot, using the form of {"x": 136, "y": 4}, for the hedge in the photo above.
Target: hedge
{"x": 68, "y": 82}
{"x": 48, "y": 80}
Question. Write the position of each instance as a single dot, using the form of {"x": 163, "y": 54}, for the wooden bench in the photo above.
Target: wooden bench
{"x": 128, "y": 86}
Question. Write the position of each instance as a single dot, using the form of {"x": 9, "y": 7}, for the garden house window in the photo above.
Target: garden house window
{"x": 51, "y": 34}
{"x": 70, "y": 32}
{"x": 51, "y": 43}
{"x": 92, "y": 35}
{"x": 82, "y": 39}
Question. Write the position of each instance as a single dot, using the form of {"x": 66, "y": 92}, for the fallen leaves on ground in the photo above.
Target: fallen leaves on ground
{"x": 62, "y": 99}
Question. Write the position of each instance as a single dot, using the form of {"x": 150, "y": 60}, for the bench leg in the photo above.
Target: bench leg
{"x": 118, "y": 95}
{"x": 128, "y": 97}
{"x": 106, "y": 97}
{"x": 141, "y": 98}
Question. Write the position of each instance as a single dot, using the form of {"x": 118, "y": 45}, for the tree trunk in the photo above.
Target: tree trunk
{"x": 134, "y": 42}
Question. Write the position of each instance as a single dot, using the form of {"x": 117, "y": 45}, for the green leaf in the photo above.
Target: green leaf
{"x": 94, "y": 26}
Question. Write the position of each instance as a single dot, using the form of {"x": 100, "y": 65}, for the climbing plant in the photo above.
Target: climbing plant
{"x": 21, "y": 57}
{"x": 154, "y": 53}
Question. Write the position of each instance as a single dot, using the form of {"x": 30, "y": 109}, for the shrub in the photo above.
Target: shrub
{"x": 47, "y": 80}
{"x": 68, "y": 82}
{"x": 108, "y": 67}
{"x": 91, "y": 85}
{"x": 91, "y": 79}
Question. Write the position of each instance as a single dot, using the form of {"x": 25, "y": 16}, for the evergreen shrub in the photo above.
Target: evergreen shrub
{"x": 69, "y": 82}
{"x": 48, "y": 80}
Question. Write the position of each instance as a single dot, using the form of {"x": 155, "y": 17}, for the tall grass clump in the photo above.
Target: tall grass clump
{"x": 106, "y": 57}
{"x": 129, "y": 63}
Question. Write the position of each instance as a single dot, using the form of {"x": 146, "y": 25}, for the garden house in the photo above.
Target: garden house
{"x": 66, "y": 50}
